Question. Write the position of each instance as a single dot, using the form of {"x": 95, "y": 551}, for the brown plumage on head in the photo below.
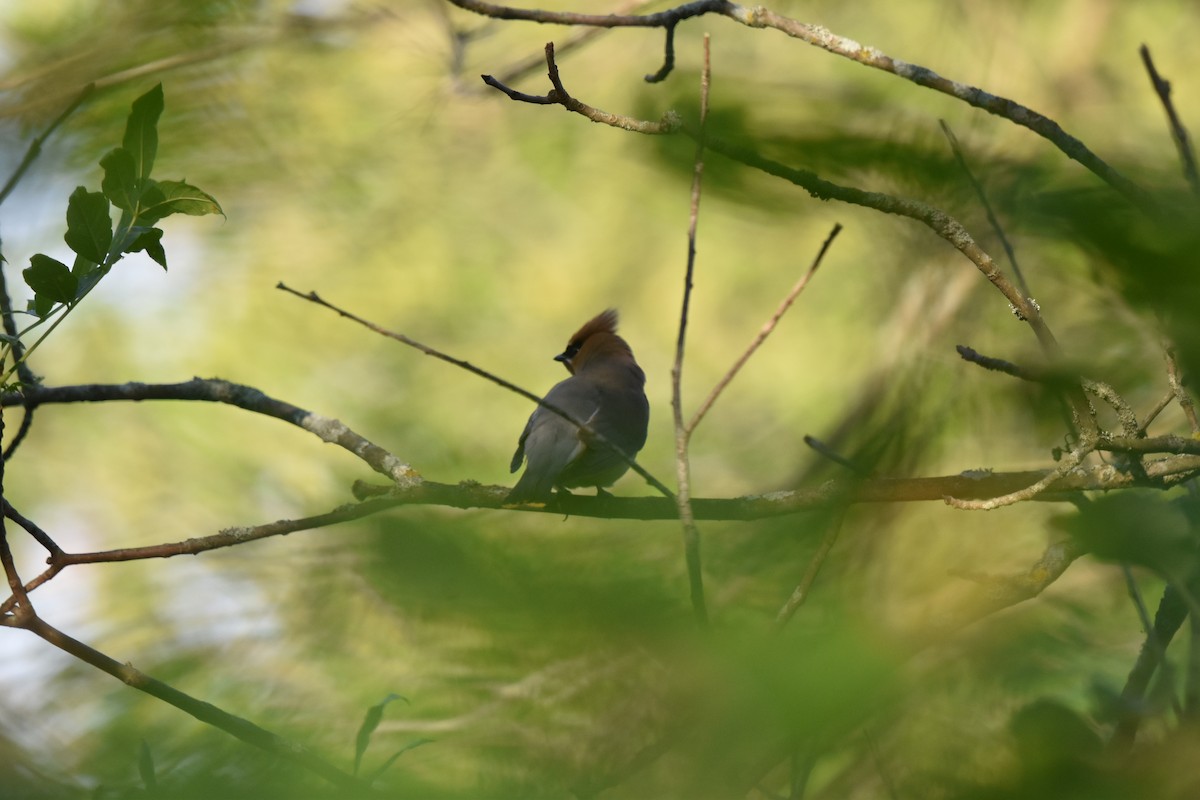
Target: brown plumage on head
{"x": 599, "y": 334}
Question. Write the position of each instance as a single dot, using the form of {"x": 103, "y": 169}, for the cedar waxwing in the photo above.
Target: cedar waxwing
{"x": 606, "y": 391}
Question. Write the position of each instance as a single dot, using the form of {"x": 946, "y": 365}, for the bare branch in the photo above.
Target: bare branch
{"x": 1099, "y": 389}
{"x": 1157, "y": 444}
{"x": 1162, "y": 88}
{"x": 558, "y": 95}
{"x": 1070, "y": 462}
{"x": 225, "y": 538}
{"x": 219, "y": 391}
{"x": 15, "y": 585}
{"x": 691, "y": 536}
{"x": 1153, "y": 413}
{"x": 764, "y": 332}
{"x": 33, "y": 530}
{"x": 1177, "y": 388}
{"x": 669, "y": 57}
{"x": 761, "y": 17}
{"x": 987, "y": 207}
{"x": 976, "y": 484}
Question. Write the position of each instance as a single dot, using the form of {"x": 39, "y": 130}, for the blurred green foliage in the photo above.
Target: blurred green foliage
{"x": 355, "y": 153}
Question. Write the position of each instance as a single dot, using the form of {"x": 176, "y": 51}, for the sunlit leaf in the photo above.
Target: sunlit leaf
{"x": 179, "y": 197}
{"x": 141, "y": 131}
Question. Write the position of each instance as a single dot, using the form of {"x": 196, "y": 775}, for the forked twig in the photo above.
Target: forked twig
{"x": 559, "y": 96}
{"x": 758, "y": 16}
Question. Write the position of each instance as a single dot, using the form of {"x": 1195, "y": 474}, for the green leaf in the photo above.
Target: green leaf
{"x": 179, "y": 197}
{"x": 89, "y": 226}
{"x": 370, "y": 722}
{"x": 120, "y": 184}
{"x": 40, "y": 306}
{"x": 150, "y": 240}
{"x": 50, "y": 279}
{"x": 141, "y": 131}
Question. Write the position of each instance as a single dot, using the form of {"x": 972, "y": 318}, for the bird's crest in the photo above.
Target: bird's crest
{"x": 604, "y": 322}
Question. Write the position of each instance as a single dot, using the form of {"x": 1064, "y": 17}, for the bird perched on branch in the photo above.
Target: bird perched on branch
{"x": 606, "y": 392}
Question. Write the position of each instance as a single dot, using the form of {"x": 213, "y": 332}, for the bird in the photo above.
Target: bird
{"x": 606, "y": 392}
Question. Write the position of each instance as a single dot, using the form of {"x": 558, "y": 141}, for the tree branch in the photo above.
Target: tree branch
{"x": 207, "y": 713}
{"x": 691, "y": 535}
{"x": 215, "y": 390}
{"x": 761, "y": 17}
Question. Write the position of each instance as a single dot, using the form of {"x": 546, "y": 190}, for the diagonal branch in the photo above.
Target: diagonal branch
{"x": 1162, "y": 88}
{"x": 764, "y": 332}
{"x": 207, "y": 713}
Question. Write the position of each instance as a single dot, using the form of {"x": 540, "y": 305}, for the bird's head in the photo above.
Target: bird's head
{"x": 595, "y": 342}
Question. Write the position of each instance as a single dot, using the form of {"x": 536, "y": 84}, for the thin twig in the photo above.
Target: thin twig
{"x": 827, "y": 452}
{"x": 15, "y": 584}
{"x": 1162, "y": 88}
{"x": 1070, "y": 462}
{"x": 1177, "y": 388}
{"x": 35, "y": 147}
{"x": 1167, "y": 620}
{"x": 800, "y": 593}
{"x": 668, "y": 57}
{"x": 987, "y": 206}
{"x": 32, "y": 529}
{"x": 691, "y": 535}
{"x": 1099, "y": 389}
{"x": 564, "y": 45}
{"x": 1153, "y": 413}
{"x": 1135, "y": 596}
{"x": 764, "y": 332}
{"x": 313, "y": 297}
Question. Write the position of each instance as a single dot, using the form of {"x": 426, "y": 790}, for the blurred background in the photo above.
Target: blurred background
{"x": 356, "y": 153}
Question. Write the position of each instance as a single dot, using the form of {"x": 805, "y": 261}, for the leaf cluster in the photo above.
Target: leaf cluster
{"x": 98, "y": 245}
